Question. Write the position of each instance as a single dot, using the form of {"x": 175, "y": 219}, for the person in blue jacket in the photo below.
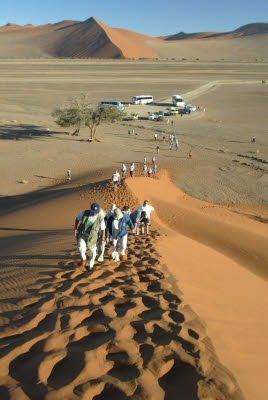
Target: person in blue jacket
{"x": 117, "y": 233}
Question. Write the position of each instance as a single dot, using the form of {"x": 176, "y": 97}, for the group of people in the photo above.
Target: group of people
{"x": 94, "y": 229}
{"x": 146, "y": 171}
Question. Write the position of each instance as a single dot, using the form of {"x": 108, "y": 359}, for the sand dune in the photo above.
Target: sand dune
{"x": 93, "y": 38}
{"x": 123, "y": 331}
{"x": 222, "y": 274}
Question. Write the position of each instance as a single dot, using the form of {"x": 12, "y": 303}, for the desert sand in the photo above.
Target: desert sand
{"x": 186, "y": 313}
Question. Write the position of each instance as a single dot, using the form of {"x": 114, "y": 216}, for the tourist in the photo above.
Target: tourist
{"x": 131, "y": 169}
{"x": 86, "y": 229}
{"x": 141, "y": 219}
{"x": 123, "y": 169}
{"x": 69, "y": 174}
{"x": 117, "y": 232}
{"x": 144, "y": 169}
{"x": 116, "y": 179}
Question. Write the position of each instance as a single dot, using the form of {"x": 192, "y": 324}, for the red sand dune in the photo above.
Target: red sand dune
{"x": 92, "y": 38}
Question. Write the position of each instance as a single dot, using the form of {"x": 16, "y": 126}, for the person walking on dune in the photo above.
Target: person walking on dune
{"x": 157, "y": 149}
{"x": 153, "y": 160}
{"x": 69, "y": 174}
{"x": 123, "y": 169}
{"x": 150, "y": 172}
{"x": 155, "y": 137}
{"x": 147, "y": 208}
{"x": 144, "y": 159}
{"x": 155, "y": 168}
{"x": 117, "y": 233}
{"x": 116, "y": 179}
{"x": 144, "y": 169}
{"x": 131, "y": 169}
{"x": 86, "y": 230}
{"x": 140, "y": 218}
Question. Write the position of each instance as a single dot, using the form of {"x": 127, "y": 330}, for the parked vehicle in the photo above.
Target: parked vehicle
{"x": 177, "y": 100}
{"x": 111, "y": 103}
{"x": 134, "y": 115}
{"x": 142, "y": 99}
{"x": 151, "y": 115}
{"x": 161, "y": 116}
{"x": 172, "y": 111}
{"x": 190, "y": 107}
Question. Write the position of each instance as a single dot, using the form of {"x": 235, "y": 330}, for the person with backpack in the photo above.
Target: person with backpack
{"x": 86, "y": 230}
{"x": 140, "y": 218}
{"x": 117, "y": 233}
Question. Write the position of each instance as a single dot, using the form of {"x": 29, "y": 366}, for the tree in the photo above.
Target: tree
{"x": 79, "y": 112}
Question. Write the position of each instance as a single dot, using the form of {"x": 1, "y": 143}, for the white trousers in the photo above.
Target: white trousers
{"x": 92, "y": 251}
{"x": 119, "y": 246}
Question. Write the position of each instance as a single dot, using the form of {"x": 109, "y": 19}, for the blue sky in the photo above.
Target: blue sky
{"x": 151, "y": 17}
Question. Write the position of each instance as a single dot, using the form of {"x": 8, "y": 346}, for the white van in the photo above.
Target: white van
{"x": 110, "y": 103}
{"x": 142, "y": 99}
{"x": 177, "y": 100}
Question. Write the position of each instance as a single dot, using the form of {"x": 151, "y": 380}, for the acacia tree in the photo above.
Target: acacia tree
{"x": 79, "y": 112}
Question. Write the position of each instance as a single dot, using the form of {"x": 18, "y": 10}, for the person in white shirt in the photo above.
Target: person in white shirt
{"x": 131, "y": 169}
{"x": 116, "y": 178}
{"x": 155, "y": 136}
{"x": 144, "y": 160}
{"x": 123, "y": 169}
{"x": 146, "y": 207}
{"x": 144, "y": 169}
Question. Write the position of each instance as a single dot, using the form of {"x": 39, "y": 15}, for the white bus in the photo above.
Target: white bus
{"x": 177, "y": 100}
{"x": 142, "y": 99}
{"x": 110, "y": 103}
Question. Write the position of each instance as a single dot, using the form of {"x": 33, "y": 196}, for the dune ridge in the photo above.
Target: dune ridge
{"x": 223, "y": 274}
{"x": 122, "y": 331}
{"x": 93, "y": 39}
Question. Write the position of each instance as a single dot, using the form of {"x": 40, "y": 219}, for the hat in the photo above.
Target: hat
{"x": 95, "y": 208}
{"x": 117, "y": 214}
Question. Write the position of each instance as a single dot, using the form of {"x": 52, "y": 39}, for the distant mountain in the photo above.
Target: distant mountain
{"x": 245, "y": 30}
{"x": 93, "y": 39}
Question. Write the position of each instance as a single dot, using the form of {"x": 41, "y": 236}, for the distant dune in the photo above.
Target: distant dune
{"x": 93, "y": 39}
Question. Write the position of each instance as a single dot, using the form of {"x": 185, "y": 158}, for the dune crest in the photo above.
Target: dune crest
{"x": 93, "y": 39}
{"x": 121, "y": 331}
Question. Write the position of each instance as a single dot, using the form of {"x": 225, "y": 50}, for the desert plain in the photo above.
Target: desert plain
{"x": 187, "y": 312}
